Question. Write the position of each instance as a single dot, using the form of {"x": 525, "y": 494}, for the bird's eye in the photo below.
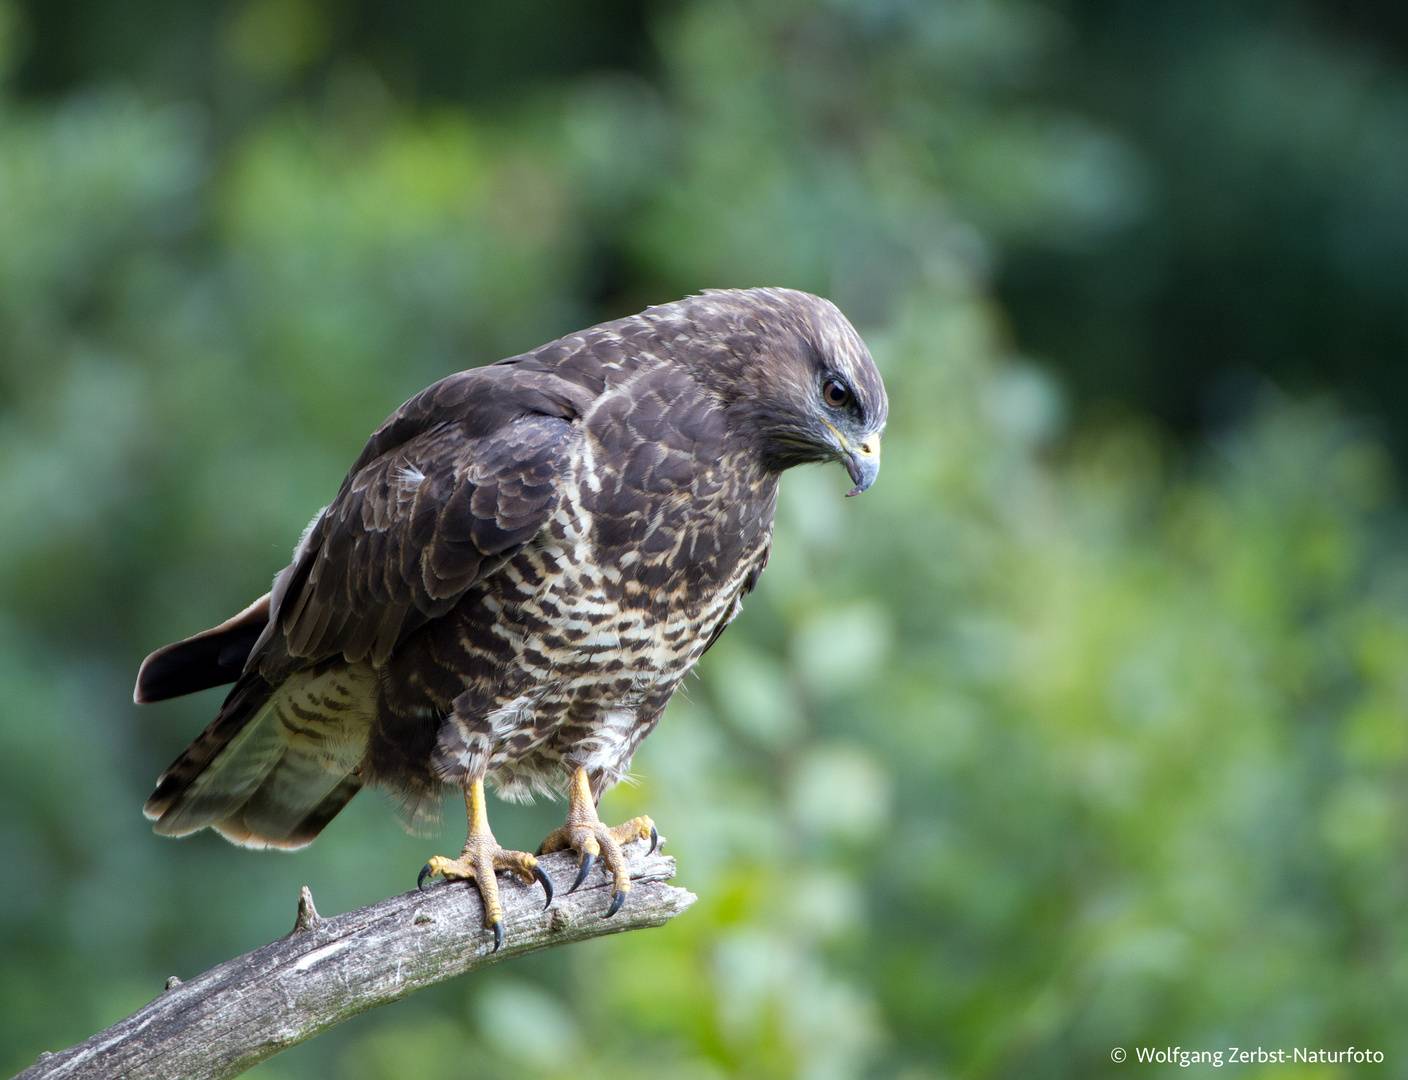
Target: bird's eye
{"x": 836, "y": 394}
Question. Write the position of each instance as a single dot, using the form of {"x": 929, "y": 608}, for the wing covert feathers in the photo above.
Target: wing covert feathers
{"x": 420, "y": 521}
{"x": 457, "y": 480}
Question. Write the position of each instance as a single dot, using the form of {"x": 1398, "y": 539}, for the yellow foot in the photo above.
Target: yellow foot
{"x": 585, "y": 834}
{"x": 479, "y": 862}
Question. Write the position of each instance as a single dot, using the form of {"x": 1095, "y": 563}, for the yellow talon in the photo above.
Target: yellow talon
{"x": 482, "y": 856}
{"x": 585, "y": 834}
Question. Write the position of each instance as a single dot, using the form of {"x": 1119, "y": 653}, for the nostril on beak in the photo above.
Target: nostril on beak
{"x": 867, "y": 448}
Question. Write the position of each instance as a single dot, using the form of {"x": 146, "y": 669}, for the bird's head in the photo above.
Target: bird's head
{"x": 795, "y": 377}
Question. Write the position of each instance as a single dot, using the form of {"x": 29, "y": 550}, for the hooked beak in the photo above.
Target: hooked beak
{"x": 863, "y": 463}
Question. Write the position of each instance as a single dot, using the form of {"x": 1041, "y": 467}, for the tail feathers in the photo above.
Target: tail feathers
{"x": 212, "y": 658}
{"x": 275, "y": 766}
{"x": 180, "y": 791}
{"x": 266, "y": 821}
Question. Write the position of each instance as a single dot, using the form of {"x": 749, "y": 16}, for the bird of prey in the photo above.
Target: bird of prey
{"x": 518, "y": 571}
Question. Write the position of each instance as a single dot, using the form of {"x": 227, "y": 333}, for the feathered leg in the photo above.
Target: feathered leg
{"x": 481, "y": 857}
{"x": 585, "y": 834}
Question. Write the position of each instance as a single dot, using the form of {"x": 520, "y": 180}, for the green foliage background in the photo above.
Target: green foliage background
{"x": 1066, "y": 736}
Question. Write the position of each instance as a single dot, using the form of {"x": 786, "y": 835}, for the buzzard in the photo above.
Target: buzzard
{"x": 518, "y": 571}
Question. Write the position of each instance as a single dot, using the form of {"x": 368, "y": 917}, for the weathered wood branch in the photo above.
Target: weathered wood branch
{"x": 234, "y": 1016}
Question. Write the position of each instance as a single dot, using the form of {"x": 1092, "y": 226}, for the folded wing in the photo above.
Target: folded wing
{"x": 460, "y": 478}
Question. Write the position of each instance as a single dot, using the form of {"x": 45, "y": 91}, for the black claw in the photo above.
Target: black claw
{"x": 498, "y": 925}
{"x": 585, "y": 868}
{"x": 617, "y": 900}
{"x": 420, "y": 880}
{"x": 654, "y": 839}
{"x": 546, "y": 883}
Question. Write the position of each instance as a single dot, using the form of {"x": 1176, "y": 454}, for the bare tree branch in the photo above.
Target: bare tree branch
{"x": 234, "y": 1016}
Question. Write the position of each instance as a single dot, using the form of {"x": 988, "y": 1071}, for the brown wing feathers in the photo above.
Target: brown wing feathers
{"x": 460, "y": 477}
{"x": 414, "y": 530}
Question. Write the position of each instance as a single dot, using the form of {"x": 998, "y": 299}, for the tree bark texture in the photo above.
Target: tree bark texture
{"x": 229, "y": 1019}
